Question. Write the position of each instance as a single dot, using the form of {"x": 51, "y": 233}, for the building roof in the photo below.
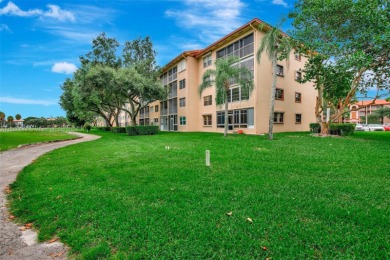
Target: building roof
{"x": 254, "y": 23}
{"x": 178, "y": 58}
{"x": 370, "y": 102}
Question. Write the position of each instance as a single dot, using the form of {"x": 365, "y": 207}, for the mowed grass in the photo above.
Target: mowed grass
{"x": 9, "y": 140}
{"x": 127, "y": 197}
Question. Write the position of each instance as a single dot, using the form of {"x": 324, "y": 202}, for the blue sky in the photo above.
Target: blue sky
{"x": 41, "y": 41}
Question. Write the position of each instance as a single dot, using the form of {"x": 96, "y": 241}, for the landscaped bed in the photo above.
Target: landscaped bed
{"x": 153, "y": 196}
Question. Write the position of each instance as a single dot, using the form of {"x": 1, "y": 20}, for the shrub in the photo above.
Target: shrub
{"x": 315, "y": 128}
{"x": 334, "y": 129}
{"x": 118, "y": 130}
{"x": 104, "y": 128}
{"x": 142, "y": 130}
{"x": 87, "y": 127}
{"x": 342, "y": 129}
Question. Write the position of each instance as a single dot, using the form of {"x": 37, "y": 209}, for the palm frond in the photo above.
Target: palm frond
{"x": 207, "y": 80}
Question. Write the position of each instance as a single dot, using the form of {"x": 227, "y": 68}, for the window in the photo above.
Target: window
{"x": 207, "y": 61}
{"x": 237, "y": 94}
{"x": 279, "y": 94}
{"x": 298, "y": 75}
{"x": 297, "y": 56}
{"x": 278, "y": 117}
{"x": 298, "y": 118}
{"x": 182, "y": 120}
{"x": 239, "y": 118}
{"x": 151, "y": 108}
{"x": 182, "y": 65}
{"x": 182, "y": 102}
{"x": 156, "y": 108}
{"x": 207, "y": 100}
{"x": 240, "y": 48}
{"x": 298, "y": 97}
{"x": 156, "y": 120}
{"x": 182, "y": 84}
{"x": 207, "y": 120}
{"x": 279, "y": 70}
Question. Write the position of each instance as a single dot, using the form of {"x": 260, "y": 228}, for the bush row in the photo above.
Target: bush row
{"x": 104, "y": 128}
{"x": 142, "y": 130}
{"x": 334, "y": 129}
{"x": 118, "y": 130}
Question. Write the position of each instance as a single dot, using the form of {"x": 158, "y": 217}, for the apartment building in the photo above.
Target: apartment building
{"x": 364, "y": 108}
{"x": 186, "y": 110}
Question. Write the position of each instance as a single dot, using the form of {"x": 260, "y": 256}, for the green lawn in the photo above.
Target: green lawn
{"x": 128, "y": 197}
{"x": 9, "y": 140}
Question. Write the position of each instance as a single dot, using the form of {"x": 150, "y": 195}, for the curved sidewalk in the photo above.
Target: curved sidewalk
{"x": 15, "y": 243}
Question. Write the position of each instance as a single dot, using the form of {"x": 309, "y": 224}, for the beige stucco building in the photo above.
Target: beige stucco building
{"x": 186, "y": 110}
{"x": 364, "y": 108}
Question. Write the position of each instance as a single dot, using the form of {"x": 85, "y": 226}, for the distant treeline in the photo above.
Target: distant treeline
{"x": 44, "y": 122}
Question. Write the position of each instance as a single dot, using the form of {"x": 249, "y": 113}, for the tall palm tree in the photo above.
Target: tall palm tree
{"x": 278, "y": 47}
{"x": 10, "y": 119}
{"x": 227, "y": 70}
{"x": 2, "y": 116}
{"x": 18, "y": 117}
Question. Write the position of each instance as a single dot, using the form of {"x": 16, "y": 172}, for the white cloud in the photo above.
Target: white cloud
{"x": 61, "y": 15}
{"x": 13, "y": 9}
{"x": 54, "y": 12}
{"x": 64, "y": 67}
{"x": 211, "y": 19}
{"x": 28, "y": 101}
{"x": 4, "y": 27}
{"x": 280, "y": 2}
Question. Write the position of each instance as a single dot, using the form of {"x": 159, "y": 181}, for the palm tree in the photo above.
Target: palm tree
{"x": 278, "y": 47}
{"x": 10, "y": 119}
{"x": 2, "y": 116}
{"x": 18, "y": 117}
{"x": 227, "y": 70}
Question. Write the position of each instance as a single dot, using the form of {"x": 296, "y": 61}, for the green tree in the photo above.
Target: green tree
{"x": 346, "y": 43}
{"x": 278, "y": 47}
{"x": 138, "y": 81}
{"x": 136, "y": 90}
{"x": 227, "y": 71}
{"x": 104, "y": 86}
{"x": 18, "y": 117}
{"x": 103, "y": 52}
{"x": 74, "y": 115}
{"x": 10, "y": 120}
{"x": 2, "y": 117}
{"x": 141, "y": 55}
{"x": 382, "y": 112}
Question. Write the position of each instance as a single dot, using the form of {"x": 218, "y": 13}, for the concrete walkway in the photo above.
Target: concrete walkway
{"x": 17, "y": 242}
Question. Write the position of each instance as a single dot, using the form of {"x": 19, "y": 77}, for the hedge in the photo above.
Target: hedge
{"x": 334, "y": 129}
{"x": 104, "y": 128}
{"x": 142, "y": 130}
{"x": 118, "y": 130}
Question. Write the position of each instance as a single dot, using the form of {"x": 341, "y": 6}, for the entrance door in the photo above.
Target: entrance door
{"x": 171, "y": 122}
{"x": 230, "y": 121}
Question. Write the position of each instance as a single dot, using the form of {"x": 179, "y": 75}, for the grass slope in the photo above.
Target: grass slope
{"x": 128, "y": 197}
{"x": 9, "y": 140}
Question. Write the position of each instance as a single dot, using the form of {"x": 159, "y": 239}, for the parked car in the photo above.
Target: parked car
{"x": 359, "y": 127}
{"x": 373, "y": 127}
{"x": 386, "y": 127}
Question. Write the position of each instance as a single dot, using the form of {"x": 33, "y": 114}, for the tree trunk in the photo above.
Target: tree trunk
{"x": 226, "y": 109}
{"x": 325, "y": 128}
{"x": 133, "y": 120}
{"x": 272, "y": 107}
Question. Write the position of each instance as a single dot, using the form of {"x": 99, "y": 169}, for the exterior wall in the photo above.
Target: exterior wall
{"x": 259, "y": 100}
{"x": 365, "y": 108}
